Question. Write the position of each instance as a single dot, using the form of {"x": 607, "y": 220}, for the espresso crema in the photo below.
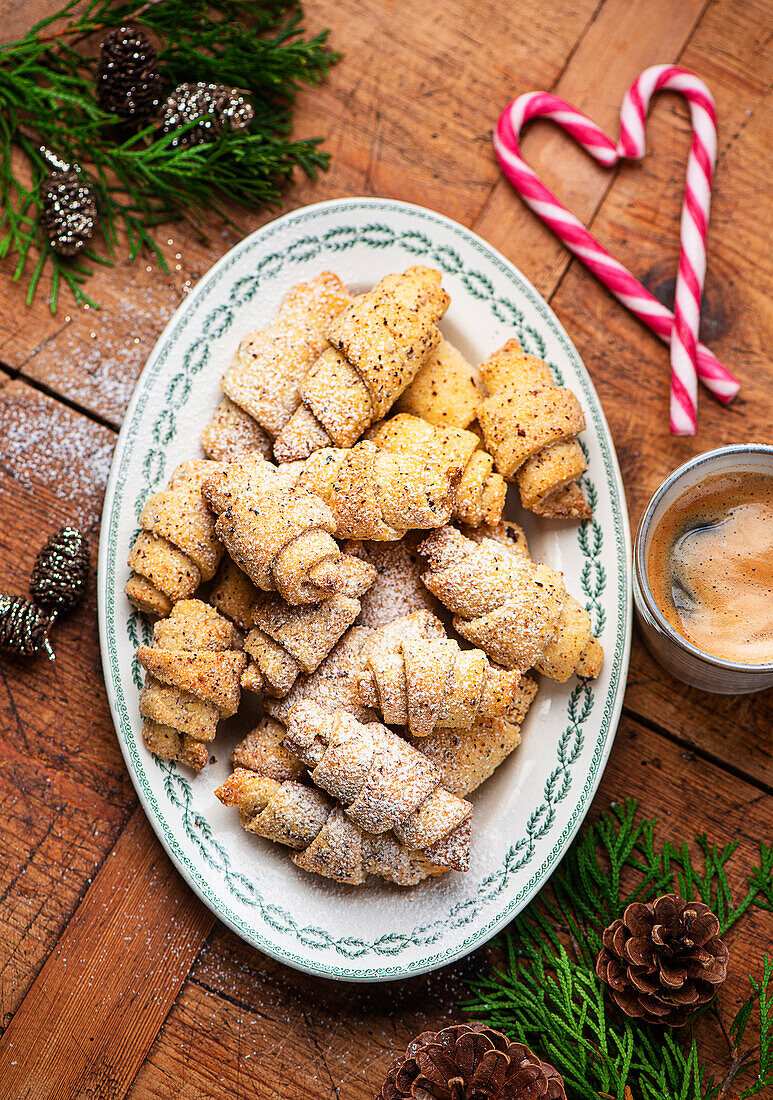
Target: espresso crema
{"x": 710, "y": 566}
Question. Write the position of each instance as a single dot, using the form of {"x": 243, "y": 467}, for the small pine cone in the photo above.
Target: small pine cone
{"x": 68, "y": 211}
{"x": 228, "y": 107}
{"x": 128, "y": 80}
{"x": 60, "y": 570}
{"x": 23, "y": 627}
{"x": 663, "y": 960}
{"x": 470, "y": 1062}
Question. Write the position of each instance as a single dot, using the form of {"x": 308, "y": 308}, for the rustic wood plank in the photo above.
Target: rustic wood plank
{"x": 64, "y": 790}
{"x": 53, "y": 468}
{"x": 638, "y": 221}
{"x": 403, "y": 114}
{"x": 625, "y": 37}
{"x": 86, "y": 1024}
{"x": 243, "y": 1025}
{"x": 246, "y": 1026}
{"x": 19, "y": 15}
{"x": 55, "y": 834}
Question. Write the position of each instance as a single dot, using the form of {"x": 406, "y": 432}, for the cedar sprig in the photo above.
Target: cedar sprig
{"x": 139, "y": 180}
{"x": 547, "y": 993}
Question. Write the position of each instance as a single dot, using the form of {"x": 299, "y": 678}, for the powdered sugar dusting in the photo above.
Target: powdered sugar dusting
{"x": 400, "y": 788}
{"x": 397, "y": 589}
{"x": 51, "y": 451}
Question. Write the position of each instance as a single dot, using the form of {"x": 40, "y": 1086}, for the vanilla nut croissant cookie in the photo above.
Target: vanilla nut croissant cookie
{"x": 420, "y": 678}
{"x": 465, "y": 758}
{"x": 325, "y": 840}
{"x": 377, "y": 345}
{"x": 286, "y": 640}
{"x": 270, "y": 790}
{"x": 177, "y": 548}
{"x": 377, "y": 495}
{"x": 267, "y": 369}
{"x": 231, "y": 432}
{"x": 468, "y": 757}
{"x": 233, "y": 594}
{"x": 263, "y": 751}
{"x": 282, "y": 640}
{"x": 333, "y": 637}
{"x": 397, "y": 590}
{"x": 516, "y": 610}
{"x": 279, "y": 536}
{"x": 383, "y": 782}
{"x": 192, "y": 682}
{"x": 530, "y": 426}
{"x": 446, "y": 390}
{"x": 478, "y": 492}
{"x": 333, "y": 685}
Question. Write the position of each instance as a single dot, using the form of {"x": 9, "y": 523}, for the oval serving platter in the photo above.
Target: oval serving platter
{"x": 527, "y": 813}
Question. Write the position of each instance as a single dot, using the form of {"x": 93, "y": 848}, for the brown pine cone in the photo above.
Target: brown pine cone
{"x": 470, "y": 1062}
{"x": 663, "y": 960}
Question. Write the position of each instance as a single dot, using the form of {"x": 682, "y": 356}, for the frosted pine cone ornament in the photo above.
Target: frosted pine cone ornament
{"x": 68, "y": 211}
{"x": 23, "y": 628}
{"x": 128, "y": 79}
{"x": 663, "y": 960}
{"x": 60, "y": 571}
{"x": 470, "y": 1062}
{"x": 215, "y": 107}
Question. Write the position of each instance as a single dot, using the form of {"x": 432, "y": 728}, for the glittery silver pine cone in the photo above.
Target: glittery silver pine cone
{"x": 68, "y": 211}
{"x": 128, "y": 80}
{"x": 218, "y": 107}
{"x": 60, "y": 571}
{"x": 23, "y": 627}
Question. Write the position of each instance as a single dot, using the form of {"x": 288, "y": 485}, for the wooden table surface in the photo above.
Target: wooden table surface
{"x": 114, "y": 979}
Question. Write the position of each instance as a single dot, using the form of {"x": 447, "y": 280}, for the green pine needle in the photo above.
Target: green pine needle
{"x": 548, "y": 995}
{"x": 47, "y": 98}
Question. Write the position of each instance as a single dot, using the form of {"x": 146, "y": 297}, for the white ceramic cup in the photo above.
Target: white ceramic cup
{"x": 681, "y": 658}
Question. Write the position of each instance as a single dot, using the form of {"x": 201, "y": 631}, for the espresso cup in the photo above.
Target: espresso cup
{"x": 675, "y": 653}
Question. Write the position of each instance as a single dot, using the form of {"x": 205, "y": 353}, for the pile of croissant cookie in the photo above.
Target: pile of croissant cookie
{"x": 341, "y": 553}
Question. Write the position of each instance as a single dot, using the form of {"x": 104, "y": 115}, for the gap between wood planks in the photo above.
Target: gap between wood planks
{"x": 697, "y": 751}
{"x": 111, "y": 979}
{"x": 41, "y": 387}
{"x": 572, "y": 260}
{"x": 236, "y": 1001}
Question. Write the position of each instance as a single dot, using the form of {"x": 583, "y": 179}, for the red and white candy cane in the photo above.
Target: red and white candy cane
{"x": 679, "y": 329}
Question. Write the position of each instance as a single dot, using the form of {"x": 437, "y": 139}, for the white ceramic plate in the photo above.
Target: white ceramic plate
{"x": 527, "y": 813}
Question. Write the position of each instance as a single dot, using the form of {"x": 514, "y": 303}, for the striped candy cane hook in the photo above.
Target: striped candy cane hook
{"x": 679, "y": 329}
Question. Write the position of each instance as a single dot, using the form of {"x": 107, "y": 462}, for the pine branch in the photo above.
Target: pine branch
{"x": 142, "y": 180}
{"x": 548, "y": 995}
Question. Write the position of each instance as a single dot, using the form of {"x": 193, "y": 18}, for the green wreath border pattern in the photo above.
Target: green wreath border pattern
{"x": 593, "y": 582}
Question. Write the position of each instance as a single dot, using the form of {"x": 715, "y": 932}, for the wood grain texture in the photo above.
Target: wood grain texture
{"x": 407, "y": 113}
{"x": 639, "y": 221}
{"x": 64, "y": 791}
{"x": 245, "y": 1026}
{"x": 623, "y": 39}
{"x": 53, "y": 468}
{"x": 86, "y": 1024}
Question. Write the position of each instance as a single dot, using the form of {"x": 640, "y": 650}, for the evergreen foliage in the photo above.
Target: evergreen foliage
{"x": 548, "y": 995}
{"x": 47, "y": 97}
